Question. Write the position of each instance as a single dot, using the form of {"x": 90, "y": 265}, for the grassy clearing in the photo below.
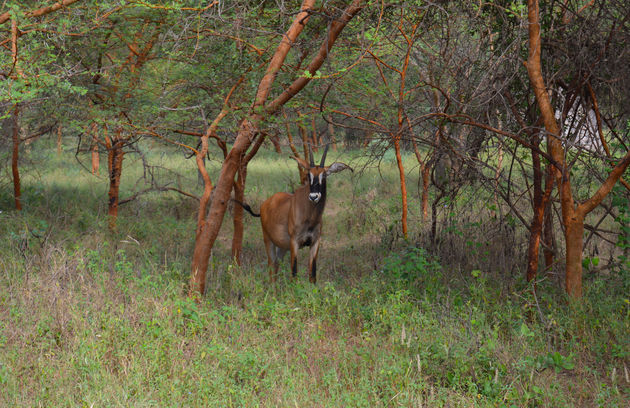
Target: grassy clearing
{"x": 91, "y": 318}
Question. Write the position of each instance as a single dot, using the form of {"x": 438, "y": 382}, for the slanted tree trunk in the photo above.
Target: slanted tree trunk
{"x": 209, "y": 229}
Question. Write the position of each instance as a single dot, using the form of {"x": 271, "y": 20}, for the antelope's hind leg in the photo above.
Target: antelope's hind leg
{"x": 272, "y": 258}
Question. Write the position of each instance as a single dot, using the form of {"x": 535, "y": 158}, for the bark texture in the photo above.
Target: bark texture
{"x": 115, "y": 155}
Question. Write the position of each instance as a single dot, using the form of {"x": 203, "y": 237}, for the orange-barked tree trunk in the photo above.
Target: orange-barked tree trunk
{"x": 539, "y": 205}
{"x": 572, "y": 215}
{"x": 403, "y": 185}
{"x": 115, "y": 155}
{"x": 248, "y": 130}
{"x": 239, "y": 194}
{"x": 59, "y": 140}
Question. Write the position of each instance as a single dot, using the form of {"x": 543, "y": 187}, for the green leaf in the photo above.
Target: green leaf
{"x": 525, "y": 331}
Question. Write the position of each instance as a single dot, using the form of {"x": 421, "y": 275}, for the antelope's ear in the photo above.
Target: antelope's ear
{"x": 336, "y": 168}
{"x": 301, "y": 163}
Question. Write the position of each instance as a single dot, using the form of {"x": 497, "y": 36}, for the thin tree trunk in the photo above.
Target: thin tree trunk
{"x": 17, "y": 192}
{"x": 331, "y": 133}
{"x": 301, "y": 171}
{"x": 316, "y": 139}
{"x": 276, "y": 144}
{"x": 539, "y": 205}
{"x": 497, "y": 175}
{"x": 425, "y": 175}
{"x": 59, "y": 147}
{"x": 426, "y": 178}
{"x": 239, "y": 193}
{"x": 548, "y": 237}
{"x": 535, "y": 229}
{"x": 403, "y": 186}
{"x": 115, "y": 155}
{"x": 95, "y": 156}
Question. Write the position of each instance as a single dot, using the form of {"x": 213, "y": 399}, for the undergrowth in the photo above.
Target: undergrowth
{"x": 84, "y": 327}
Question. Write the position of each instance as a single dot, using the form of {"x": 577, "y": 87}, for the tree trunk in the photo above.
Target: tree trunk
{"x": 539, "y": 205}
{"x": 115, "y": 155}
{"x": 59, "y": 140}
{"x": 17, "y": 192}
{"x": 574, "y": 235}
{"x": 426, "y": 178}
{"x": 209, "y": 228}
{"x": 331, "y": 133}
{"x": 301, "y": 171}
{"x": 548, "y": 237}
{"x": 276, "y": 144}
{"x": 497, "y": 174}
{"x": 403, "y": 186}
{"x": 95, "y": 156}
{"x": 572, "y": 216}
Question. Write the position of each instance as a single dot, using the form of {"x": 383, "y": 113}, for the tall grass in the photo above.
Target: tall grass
{"x": 94, "y": 318}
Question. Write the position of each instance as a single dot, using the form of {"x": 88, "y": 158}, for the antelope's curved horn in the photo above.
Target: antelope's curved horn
{"x": 324, "y": 156}
{"x": 310, "y": 155}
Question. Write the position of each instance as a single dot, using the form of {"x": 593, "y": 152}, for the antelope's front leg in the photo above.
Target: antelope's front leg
{"x": 312, "y": 261}
{"x": 294, "y": 251}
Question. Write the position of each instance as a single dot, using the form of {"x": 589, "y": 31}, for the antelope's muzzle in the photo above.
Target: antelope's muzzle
{"x": 315, "y": 197}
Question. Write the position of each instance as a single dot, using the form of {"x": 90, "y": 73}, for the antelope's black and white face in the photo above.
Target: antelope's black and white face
{"x": 317, "y": 175}
{"x": 317, "y": 184}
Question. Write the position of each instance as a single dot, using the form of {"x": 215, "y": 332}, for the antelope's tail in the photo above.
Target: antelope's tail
{"x": 246, "y": 207}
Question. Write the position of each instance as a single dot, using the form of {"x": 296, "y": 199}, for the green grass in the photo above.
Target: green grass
{"x": 93, "y": 318}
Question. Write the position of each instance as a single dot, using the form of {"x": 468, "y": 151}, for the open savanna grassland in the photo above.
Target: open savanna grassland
{"x": 99, "y": 319}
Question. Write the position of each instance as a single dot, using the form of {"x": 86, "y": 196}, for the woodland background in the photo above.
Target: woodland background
{"x": 478, "y": 255}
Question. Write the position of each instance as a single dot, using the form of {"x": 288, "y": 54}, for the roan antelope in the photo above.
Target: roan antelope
{"x": 292, "y": 221}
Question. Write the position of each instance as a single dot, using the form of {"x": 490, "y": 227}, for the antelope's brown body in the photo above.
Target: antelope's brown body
{"x": 292, "y": 221}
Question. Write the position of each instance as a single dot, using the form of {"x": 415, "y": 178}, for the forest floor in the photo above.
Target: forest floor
{"x": 95, "y": 318}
